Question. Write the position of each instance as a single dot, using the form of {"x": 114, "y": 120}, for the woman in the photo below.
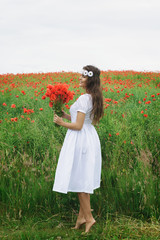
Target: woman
{"x": 79, "y": 165}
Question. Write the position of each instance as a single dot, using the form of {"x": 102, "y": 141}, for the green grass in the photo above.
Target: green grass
{"x": 113, "y": 226}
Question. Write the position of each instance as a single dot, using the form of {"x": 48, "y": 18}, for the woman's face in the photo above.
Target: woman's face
{"x": 83, "y": 80}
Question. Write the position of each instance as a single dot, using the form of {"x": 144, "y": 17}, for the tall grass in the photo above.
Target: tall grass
{"x": 130, "y": 146}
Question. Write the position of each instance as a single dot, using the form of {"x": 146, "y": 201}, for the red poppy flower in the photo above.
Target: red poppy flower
{"x": 44, "y": 97}
{"x": 28, "y": 111}
{"x": 23, "y": 92}
{"x": 13, "y": 106}
{"x": 67, "y": 106}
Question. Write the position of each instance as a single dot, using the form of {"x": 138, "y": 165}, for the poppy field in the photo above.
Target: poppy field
{"x": 30, "y": 144}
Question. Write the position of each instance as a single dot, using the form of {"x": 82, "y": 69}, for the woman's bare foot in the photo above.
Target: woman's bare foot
{"x": 79, "y": 223}
{"x": 89, "y": 225}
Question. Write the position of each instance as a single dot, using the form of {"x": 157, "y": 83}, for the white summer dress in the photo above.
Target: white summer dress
{"x": 79, "y": 164}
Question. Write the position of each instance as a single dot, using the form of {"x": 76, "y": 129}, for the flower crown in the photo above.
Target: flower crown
{"x": 86, "y": 73}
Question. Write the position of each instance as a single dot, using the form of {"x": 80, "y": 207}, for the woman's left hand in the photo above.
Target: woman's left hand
{"x": 58, "y": 120}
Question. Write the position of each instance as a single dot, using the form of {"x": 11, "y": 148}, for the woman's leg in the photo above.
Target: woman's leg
{"x": 80, "y": 219}
{"x": 84, "y": 199}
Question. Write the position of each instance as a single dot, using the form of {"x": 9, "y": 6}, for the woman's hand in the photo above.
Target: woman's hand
{"x": 58, "y": 120}
{"x": 64, "y": 114}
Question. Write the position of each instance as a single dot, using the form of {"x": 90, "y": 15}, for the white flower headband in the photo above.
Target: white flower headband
{"x": 86, "y": 73}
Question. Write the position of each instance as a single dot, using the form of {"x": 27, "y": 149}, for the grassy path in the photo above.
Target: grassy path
{"x": 59, "y": 227}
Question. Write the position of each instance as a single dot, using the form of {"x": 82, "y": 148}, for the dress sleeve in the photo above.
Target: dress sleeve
{"x": 82, "y": 104}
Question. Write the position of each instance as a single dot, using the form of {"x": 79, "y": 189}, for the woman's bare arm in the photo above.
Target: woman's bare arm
{"x": 73, "y": 126}
{"x": 66, "y": 116}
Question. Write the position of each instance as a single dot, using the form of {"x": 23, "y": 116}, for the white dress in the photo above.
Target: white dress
{"x": 79, "y": 164}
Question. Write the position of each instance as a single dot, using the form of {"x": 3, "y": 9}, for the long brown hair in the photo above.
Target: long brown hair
{"x": 93, "y": 87}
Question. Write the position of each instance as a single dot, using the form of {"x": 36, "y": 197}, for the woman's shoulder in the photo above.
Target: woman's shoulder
{"x": 85, "y": 96}
{"x": 85, "y": 99}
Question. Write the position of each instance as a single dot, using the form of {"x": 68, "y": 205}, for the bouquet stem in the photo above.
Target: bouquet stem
{"x": 57, "y": 108}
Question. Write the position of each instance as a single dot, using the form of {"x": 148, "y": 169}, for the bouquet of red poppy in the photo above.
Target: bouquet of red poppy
{"x": 58, "y": 94}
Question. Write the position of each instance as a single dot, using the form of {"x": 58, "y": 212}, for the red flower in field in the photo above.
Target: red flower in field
{"x": 144, "y": 99}
{"x": 108, "y": 99}
{"x": 67, "y": 106}
{"x": 145, "y": 115}
{"x": 154, "y": 99}
{"x": 142, "y": 111}
{"x": 23, "y": 92}
{"x": 110, "y": 135}
{"x": 148, "y": 102}
{"x": 153, "y": 95}
{"x": 139, "y": 102}
{"x": 123, "y": 115}
{"x": 14, "y": 119}
{"x": 159, "y": 129}
{"x": 43, "y": 97}
{"x": 41, "y": 109}
{"x": 124, "y": 141}
{"x": 117, "y": 134}
{"x": 17, "y": 96}
{"x": 28, "y": 111}
{"x": 0, "y": 121}
{"x": 13, "y": 106}
{"x": 22, "y": 116}
{"x": 107, "y": 105}
{"x": 4, "y": 104}
{"x": 32, "y": 121}
{"x": 158, "y": 94}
